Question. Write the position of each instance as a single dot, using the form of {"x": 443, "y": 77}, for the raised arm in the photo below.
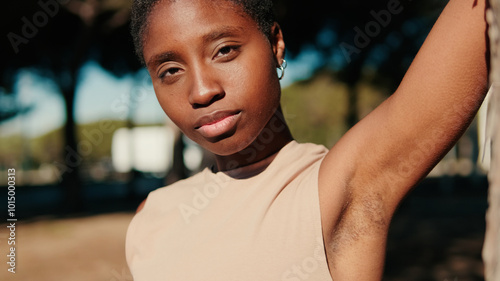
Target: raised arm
{"x": 388, "y": 152}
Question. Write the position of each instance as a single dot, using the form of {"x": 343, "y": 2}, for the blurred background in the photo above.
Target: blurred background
{"x": 80, "y": 124}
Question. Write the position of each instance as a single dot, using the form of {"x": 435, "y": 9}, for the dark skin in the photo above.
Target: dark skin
{"x": 208, "y": 73}
{"x": 209, "y": 60}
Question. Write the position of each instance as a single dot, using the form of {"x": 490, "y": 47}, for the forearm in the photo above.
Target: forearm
{"x": 401, "y": 140}
{"x": 445, "y": 85}
{"x": 452, "y": 63}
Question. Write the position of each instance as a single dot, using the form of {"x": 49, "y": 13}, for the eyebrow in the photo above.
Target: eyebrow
{"x": 159, "y": 58}
{"x": 222, "y": 32}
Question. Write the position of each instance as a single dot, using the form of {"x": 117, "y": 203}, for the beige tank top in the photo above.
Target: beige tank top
{"x": 214, "y": 227}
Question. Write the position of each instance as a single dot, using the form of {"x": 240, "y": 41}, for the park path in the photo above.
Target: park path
{"x": 73, "y": 249}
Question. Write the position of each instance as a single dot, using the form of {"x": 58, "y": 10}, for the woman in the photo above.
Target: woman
{"x": 276, "y": 209}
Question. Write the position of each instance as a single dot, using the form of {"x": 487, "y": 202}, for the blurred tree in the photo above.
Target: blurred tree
{"x": 358, "y": 36}
{"x": 9, "y": 109}
{"x": 55, "y": 38}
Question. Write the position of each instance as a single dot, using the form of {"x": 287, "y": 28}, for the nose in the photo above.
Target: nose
{"x": 206, "y": 88}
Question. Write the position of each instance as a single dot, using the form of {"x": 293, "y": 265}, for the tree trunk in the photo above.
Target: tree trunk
{"x": 491, "y": 248}
{"x": 71, "y": 179}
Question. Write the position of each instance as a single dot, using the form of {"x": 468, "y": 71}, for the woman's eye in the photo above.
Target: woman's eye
{"x": 170, "y": 75}
{"x": 169, "y": 72}
{"x": 227, "y": 51}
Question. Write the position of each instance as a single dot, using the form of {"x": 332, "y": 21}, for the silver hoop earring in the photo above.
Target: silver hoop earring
{"x": 282, "y": 68}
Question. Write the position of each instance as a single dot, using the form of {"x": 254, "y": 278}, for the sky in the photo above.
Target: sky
{"x": 100, "y": 95}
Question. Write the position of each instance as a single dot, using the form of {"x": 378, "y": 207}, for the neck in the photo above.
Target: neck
{"x": 261, "y": 152}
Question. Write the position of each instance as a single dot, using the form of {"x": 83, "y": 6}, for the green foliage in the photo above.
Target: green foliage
{"x": 316, "y": 109}
{"x": 17, "y": 150}
{"x": 46, "y": 148}
{"x": 11, "y": 149}
{"x": 97, "y": 140}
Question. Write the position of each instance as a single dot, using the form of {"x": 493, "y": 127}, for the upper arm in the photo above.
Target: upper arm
{"x": 368, "y": 172}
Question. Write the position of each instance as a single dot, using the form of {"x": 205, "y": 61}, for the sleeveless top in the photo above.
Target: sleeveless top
{"x": 214, "y": 227}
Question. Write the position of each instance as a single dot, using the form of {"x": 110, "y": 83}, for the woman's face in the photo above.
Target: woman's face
{"x": 213, "y": 71}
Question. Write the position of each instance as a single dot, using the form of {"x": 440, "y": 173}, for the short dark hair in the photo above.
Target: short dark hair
{"x": 261, "y": 11}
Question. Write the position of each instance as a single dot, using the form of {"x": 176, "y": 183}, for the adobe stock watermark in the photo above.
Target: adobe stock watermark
{"x": 11, "y": 205}
{"x": 372, "y": 29}
{"x": 73, "y": 158}
{"x": 31, "y": 26}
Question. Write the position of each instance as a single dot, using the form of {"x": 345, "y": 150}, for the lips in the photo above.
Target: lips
{"x": 217, "y": 123}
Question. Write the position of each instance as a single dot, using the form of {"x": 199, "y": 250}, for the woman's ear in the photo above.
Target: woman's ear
{"x": 277, "y": 43}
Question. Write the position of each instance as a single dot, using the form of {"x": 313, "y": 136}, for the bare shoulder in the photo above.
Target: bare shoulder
{"x": 141, "y": 206}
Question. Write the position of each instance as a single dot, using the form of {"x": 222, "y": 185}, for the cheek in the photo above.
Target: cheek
{"x": 171, "y": 108}
{"x": 257, "y": 79}
{"x": 179, "y": 113}
{"x": 267, "y": 89}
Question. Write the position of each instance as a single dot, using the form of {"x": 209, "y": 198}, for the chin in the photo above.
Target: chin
{"x": 227, "y": 147}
